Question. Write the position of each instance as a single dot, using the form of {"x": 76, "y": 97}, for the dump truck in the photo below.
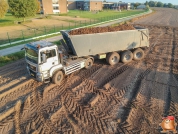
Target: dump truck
{"x": 45, "y": 62}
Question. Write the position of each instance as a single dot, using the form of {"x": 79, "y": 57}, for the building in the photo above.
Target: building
{"x": 88, "y": 5}
{"x": 72, "y": 4}
{"x": 108, "y": 5}
{"x": 53, "y": 6}
{"x": 96, "y": 5}
{"x": 116, "y": 5}
{"x": 141, "y": 6}
{"x": 62, "y": 6}
{"x": 176, "y": 6}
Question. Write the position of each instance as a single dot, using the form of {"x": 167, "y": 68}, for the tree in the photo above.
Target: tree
{"x": 152, "y": 3}
{"x": 159, "y": 4}
{"x": 170, "y": 5}
{"x": 146, "y": 3}
{"x": 38, "y": 6}
{"x": 136, "y": 4}
{"x": 165, "y": 5}
{"x": 147, "y": 7}
{"x": 3, "y": 8}
{"x": 23, "y": 8}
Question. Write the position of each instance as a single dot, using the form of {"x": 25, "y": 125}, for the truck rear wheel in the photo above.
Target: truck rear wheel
{"x": 138, "y": 54}
{"x": 113, "y": 58}
{"x": 127, "y": 56}
{"x": 88, "y": 63}
{"x": 57, "y": 77}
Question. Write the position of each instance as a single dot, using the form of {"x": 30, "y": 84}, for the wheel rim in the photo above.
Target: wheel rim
{"x": 59, "y": 78}
{"x": 127, "y": 57}
{"x": 89, "y": 64}
{"x": 114, "y": 59}
{"x": 139, "y": 55}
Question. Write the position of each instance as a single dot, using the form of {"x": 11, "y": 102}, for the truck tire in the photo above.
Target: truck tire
{"x": 138, "y": 54}
{"x": 113, "y": 58}
{"x": 57, "y": 77}
{"x": 88, "y": 63}
{"x": 126, "y": 56}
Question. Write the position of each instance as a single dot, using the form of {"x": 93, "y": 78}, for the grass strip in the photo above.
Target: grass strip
{"x": 4, "y": 60}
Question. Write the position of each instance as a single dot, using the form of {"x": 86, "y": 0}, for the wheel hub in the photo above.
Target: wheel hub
{"x": 114, "y": 59}
{"x": 139, "y": 54}
{"x": 127, "y": 57}
{"x": 59, "y": 78}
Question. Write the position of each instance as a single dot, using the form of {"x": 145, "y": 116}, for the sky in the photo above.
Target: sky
{"x": 174, "y": 2}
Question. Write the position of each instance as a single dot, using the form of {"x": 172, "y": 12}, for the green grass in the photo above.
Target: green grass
{"x": 4, "y": 60}
{"x": 109, "y": 13}
{"x": 9, "y": 19}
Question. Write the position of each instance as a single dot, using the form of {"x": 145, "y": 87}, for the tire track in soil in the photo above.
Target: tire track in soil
{"x": 12, "y": 66}
{"x": 53, "y": 95}
{"x": 7, "y": 125}
{"x": 151, "y": 124}
{"x": 12, "y": 76}
{"x": 10, "y": 97}
{"x": 174, "y": 73}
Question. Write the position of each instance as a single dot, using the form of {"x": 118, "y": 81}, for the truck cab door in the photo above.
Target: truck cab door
{"x": 51, "y": 60}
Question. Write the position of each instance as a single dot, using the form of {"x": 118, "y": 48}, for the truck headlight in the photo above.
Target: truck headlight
{"x": 46, "y": 73}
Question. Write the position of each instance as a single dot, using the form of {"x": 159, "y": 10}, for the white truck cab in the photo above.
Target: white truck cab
{"x": 45, "y": 62}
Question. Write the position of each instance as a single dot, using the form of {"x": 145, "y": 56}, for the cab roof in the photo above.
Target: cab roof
{"x": 40, "y": 44}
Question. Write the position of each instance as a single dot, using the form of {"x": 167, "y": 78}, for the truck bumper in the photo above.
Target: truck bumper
{"x": 38, "y": 76}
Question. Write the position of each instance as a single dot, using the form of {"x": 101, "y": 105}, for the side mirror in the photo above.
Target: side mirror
{"x": 44, "y": 58}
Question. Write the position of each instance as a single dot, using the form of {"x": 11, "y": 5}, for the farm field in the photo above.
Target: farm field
{"x": 125, "y": 98}
{"x": 168, "y": 17}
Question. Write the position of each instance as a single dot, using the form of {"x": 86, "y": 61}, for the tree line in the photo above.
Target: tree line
{"x": 159, "y": 4}
{"x": 19, "y": 8}
{"x": 154, "y": 4}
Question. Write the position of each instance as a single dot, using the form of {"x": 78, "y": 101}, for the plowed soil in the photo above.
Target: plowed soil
{"x": 101, "y": 29}
{"x": 122, "y": 99}
{"x": 162, "y": 17}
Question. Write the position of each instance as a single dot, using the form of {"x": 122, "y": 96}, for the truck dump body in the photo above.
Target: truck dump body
{"x": 98, "y": 43}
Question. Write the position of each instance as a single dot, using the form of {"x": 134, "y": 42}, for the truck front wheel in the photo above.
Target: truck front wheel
{"x": 138, "y": 54}
{"x": 113, "y": 58}
{"x": 57, "y": 77}
{"x": 127, "y": 56}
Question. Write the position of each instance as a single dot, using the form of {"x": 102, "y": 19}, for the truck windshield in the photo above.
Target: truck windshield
{"x": 32, "y": 55}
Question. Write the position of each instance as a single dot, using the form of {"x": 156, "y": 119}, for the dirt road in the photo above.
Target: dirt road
{"x": 125, "y": 98}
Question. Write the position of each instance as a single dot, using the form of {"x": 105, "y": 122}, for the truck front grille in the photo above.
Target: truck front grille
{"x": 32, "y": 67}
{"x": 33, "y": 74}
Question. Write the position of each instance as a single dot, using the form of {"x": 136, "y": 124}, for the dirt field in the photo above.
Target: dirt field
{"x": 162, "y": 17}
{"x": 125, "y": 98}
{"x": 36, "y": 23}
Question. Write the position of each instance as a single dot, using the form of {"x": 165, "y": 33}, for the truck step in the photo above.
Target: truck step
{"x": 72, "y": 68}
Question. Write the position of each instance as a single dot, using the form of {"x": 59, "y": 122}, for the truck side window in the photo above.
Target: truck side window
{"x": 52, "y": 53}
